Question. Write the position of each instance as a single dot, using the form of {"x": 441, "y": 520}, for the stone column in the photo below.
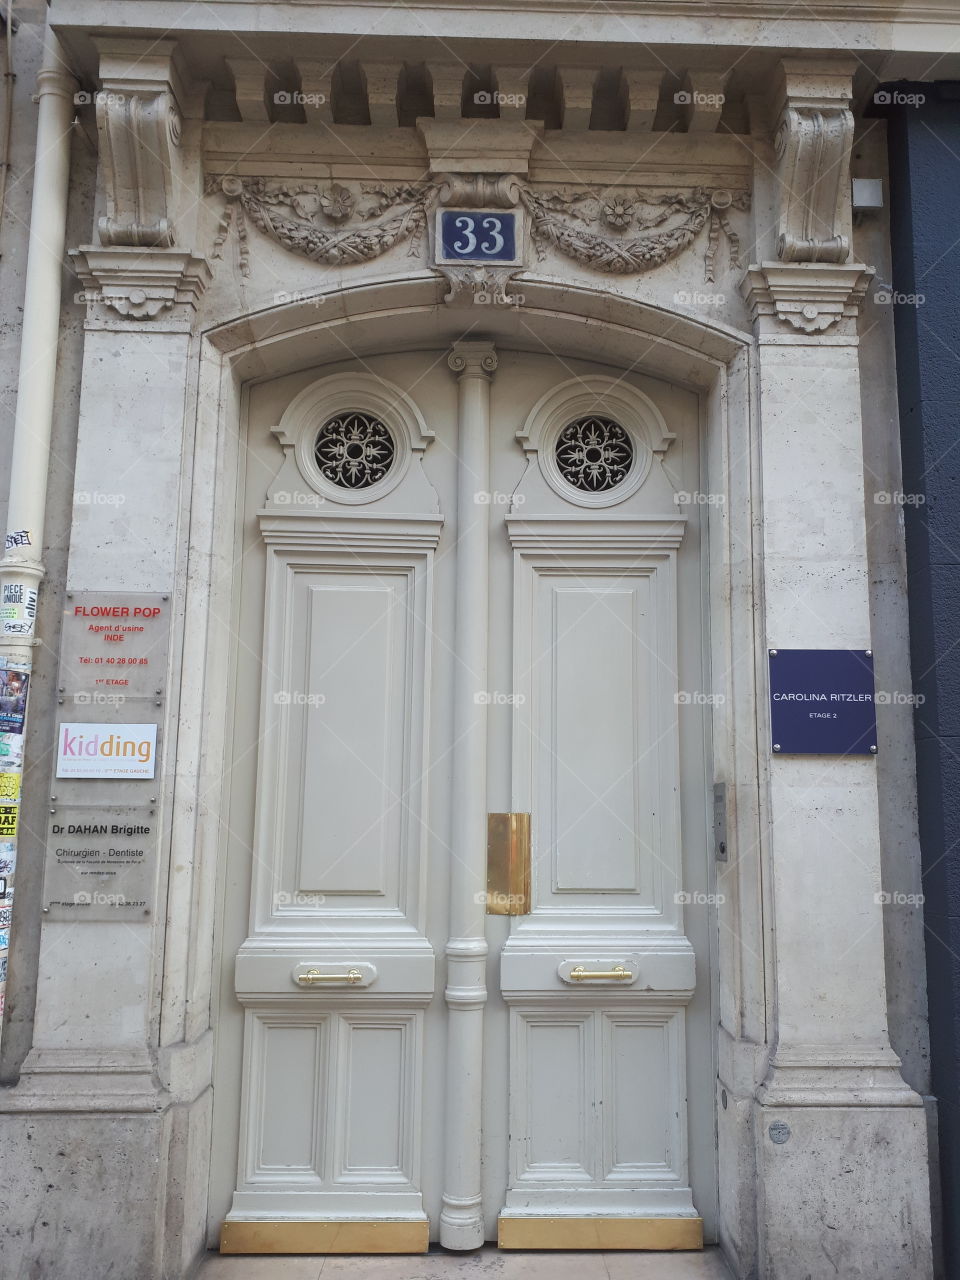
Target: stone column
{"x": 840, "y": 1139}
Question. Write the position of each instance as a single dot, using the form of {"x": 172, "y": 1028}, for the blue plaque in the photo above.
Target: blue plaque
{"x": 478, "y": 235}
{"x": 821, "y": 702}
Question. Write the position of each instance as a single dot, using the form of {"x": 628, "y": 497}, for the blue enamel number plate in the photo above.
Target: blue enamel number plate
{"x": 477, "y": 235}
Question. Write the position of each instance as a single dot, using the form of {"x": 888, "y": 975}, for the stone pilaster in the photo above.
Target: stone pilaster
{"x": 840, "y": 1139}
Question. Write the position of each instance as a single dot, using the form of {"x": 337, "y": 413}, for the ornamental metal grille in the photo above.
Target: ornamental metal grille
{"x": 594, "y": 454}
{"x": 354, "y": 450}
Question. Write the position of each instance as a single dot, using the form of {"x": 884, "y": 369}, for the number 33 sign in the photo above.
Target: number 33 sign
{"x": 477, "y": 235}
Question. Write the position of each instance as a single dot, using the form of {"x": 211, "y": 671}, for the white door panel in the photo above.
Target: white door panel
{"x": 594, "y": 995}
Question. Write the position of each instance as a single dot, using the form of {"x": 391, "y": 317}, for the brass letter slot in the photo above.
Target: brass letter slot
{"x": 617, "y": 974}
{"x": 307, "y": 979}
{"x": 508, "y": 864}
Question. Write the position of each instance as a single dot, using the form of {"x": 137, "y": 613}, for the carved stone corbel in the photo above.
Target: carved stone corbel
{"x": 479, "y": 190}
{"x": 140, "y": 106}
{"x": 162, "y": 286}
{"x": 481, "y": 286}
{"x": 805, "y": 298}
{"x": 813, "y": 140}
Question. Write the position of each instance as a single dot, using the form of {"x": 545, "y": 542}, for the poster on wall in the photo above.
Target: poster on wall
{"x": 13, "y": 699}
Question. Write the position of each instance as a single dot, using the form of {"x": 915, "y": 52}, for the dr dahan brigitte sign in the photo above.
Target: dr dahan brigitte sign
{"x": 107, "y": 751}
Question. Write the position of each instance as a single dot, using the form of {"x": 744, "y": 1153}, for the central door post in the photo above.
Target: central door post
{"x": 461, "y": 1216}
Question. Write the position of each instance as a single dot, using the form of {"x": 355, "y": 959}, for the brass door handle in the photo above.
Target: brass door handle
{"x": 352, "y": 976}
{"x": 618, "y": 973}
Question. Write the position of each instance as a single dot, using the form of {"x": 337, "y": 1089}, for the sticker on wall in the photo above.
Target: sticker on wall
{"x": 14, "y": 683}
{"x": 9, "y": 788}
{"x": 106, "y": 751}
{"x": 18, "y": 609}
{"x": 8, "y": 820}
{"x": 11, "y": 751}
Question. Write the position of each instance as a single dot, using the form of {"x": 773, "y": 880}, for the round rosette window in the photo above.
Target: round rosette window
{"x": 594, "y": 454}
{"x": 354, "y": 451}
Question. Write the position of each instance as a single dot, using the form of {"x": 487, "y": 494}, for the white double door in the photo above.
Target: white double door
{"x": 478, "y": 594}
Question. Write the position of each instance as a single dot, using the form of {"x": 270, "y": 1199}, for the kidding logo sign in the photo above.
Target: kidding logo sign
{"x": 106, "y": 751}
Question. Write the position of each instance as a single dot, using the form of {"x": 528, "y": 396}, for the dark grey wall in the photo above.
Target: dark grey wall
{"x": 924, "y": 143}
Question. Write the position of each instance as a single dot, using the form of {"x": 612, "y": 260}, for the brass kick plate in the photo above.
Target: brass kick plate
{"x": 569, "y": 1233}
{"x": 320, "y": 1237}
{"x": 508, "y": 864}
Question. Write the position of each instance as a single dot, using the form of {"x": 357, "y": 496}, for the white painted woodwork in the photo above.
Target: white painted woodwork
{"x": 414, "y": 1090}
{"x": 596, "y": 763}
{"x": 339, "y": 835}
{"x": 461, "y": 1218}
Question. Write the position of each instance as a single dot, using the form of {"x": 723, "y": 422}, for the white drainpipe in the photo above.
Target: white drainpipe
{"x": 21, "y": 568}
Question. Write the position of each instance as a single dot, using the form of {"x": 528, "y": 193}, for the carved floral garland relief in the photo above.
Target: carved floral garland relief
{"x": 631, "y": 231}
